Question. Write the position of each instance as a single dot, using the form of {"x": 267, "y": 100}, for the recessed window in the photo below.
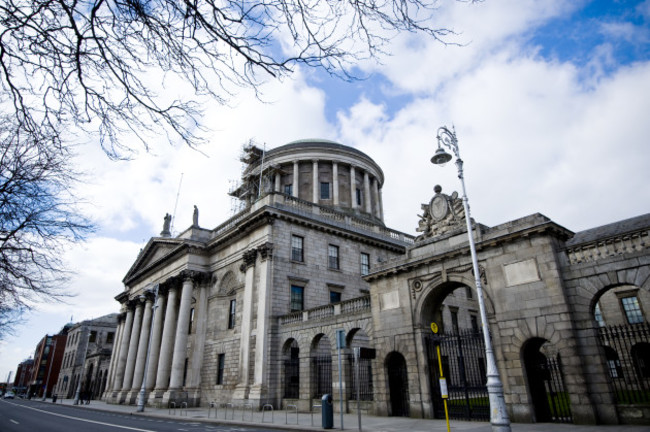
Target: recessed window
{"x": 632, "y": 309}
{"x": 231, "y": 314}
{"x": 93, "y": 336}
{"x": 297, "y": 248}
{"x": 288, "y": 189}
{"x": 359, "y": 197}
{"x": 335, "y": 296}
{"x": 454, "y": 321}
{"x": 221, "y": 365}
{"x": 189, "y": 330}
{"x": 333, "y": 257}
{"x": 474, "y": 320}
{"x": 365, "y": 264}
{"x": 598, "y": 315}
{"x": 324, "y": 190}
{"x": 468, "y": 292}
{"x": 109, "y": 337}
{"x": 297, "y": 298}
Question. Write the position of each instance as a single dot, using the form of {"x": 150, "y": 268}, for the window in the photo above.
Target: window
{"x": 231, "y": 314}
{"x": 297, "y": 298}
{"x": 365, "y": 264}
{"x": 474, "y": 320}
{"x": 333, "y": 257}
{"x": 109, "y": 337}
{"x": 359, "y": 197}
{"x": 288, "y": 189}
{"x": 185, "y": 371}
{"x": 632, "y": 310}
{"x": 454, "y": 320}
{"x": 335, "y": 296}
{"x": 598, "y": 316}
{"x": 221, "y": 363}
{"x": 297, "y": 248}
{"x": 324, "y": 190}
{"x": 468, "y": 292}
{"x": 189, "y": 330}
{"x": 93, "y": 336}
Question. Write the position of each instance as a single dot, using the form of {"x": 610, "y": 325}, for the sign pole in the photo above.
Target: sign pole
{"x": 443, "y": 382}
{"x": 340, "y": 343}
{"x": 357, "y": 351}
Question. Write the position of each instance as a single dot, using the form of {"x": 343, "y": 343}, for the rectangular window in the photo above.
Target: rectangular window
{"x": 324, "y": 190}
{"x": 231, "y": 314}
{"x": 189, "y": 330}
{"x": 632, "y": 310}
{"x": 333, "y": 257}
{"x": 297, "y": 298}
{"x": 365, "y": 264}
{"x": 288, "y": 189}
{"x": 297, "y": 248}
{"x": 109, "y": 337}
{"x": 221, "y": 365}
{"x": 454, "y": 321}
{"x": 185, "y": 371}
{"x": 474, "y": 320}
{"x": 599, "y": 316}
{"x": 468, "y": 292}
{"x": 93, "y": 336}
{"x": 335, "y": 296}
{"x": 359, "y": 197}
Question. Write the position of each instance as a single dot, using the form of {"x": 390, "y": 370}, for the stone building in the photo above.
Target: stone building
{"x": 87, "y": 357}
{"x": 252, "y": 311}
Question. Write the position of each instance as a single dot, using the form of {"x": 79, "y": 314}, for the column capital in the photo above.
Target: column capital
{"x": 266, "y": 251}
{"x": 249, "y": 258}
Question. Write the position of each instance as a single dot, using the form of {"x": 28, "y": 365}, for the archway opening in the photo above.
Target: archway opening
{"x": 321, "y": 366}
{"x": 291, "y": 361}
{"x": 398, "y": 389}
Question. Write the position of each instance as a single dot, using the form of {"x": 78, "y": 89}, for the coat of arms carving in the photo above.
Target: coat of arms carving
{"x": 444, "y": 213}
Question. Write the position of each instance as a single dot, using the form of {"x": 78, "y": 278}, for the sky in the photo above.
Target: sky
{"x": 550, "y": 101}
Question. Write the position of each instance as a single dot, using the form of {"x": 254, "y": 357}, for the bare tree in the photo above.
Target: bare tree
{"x": 38, "y": 219}
{"x": 97, "y": 64}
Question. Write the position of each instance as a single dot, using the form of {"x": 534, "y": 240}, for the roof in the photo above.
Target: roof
{"x": 611, "y": 230}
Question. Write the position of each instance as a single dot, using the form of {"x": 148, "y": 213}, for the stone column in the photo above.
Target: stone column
{"x": 156, "y": 337}
{"x": 335, "y": 183}
{"x": 123, "y": 351}
{"x": 314, "y": 180}
{"x": 141, "y": 357}
{"x": 248, "y": 267}
{"x": 353, "y": 188}
{"x": 278, "y": 181}
{"x": 296, "y": 179}
{"x": 117, "y": 342}
{"x": 180, "y": 344}
{"x": 133, "y": 349}
{"x": 366, "y": 192}
{"x": 166, "y": 347}
{"x": 375, "y": 196}
{"x": 194, "y": 372}
{"x": 259, "y": 389}
{"x": 381, "y": 206}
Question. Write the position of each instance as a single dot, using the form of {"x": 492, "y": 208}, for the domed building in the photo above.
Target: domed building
{"x": 257, "y": 310}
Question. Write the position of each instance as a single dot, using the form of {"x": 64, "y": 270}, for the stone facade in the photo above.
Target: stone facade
{"x": 250, "y": 311}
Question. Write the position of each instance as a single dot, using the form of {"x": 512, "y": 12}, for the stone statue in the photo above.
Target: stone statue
{"x": 166, "y": 226}
{"x": 195, "y": 217}
{"x": 444, "y": 213}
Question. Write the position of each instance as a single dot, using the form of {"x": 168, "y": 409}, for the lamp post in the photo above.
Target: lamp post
{"x": 498, "y": 414}
{"x": 141, "y": 395}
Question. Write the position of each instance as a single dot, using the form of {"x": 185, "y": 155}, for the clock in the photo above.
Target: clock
{"x": 438, "y": 207}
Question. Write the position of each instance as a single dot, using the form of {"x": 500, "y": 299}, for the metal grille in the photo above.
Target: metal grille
{"x": 321, "y": 376}
{"x": 557, "y": 396}
{"x": 463, "y": 361}
{"x": 627, "y": 352}
{"x": 365, "y": 379}
{"x": 291, "y": 378}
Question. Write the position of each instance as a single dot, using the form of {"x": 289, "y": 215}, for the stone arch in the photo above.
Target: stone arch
{"x": 228, "y": 283}
{"x": 320, "y": 354}
{"x": 291, "y": 369}
{"x": 397, "y": 384}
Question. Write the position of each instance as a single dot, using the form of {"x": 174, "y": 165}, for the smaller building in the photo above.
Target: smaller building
{"x": 23, "y": 375}
{"x": 86, "y": 357}
{"x": 47, "y": 363}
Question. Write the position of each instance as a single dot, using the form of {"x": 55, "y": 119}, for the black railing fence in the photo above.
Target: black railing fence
{"x": 321, "y": 376}
{"x": 627, "y": 353}
{"x": 292, "y": 378}
{"x": 364, "y": 379}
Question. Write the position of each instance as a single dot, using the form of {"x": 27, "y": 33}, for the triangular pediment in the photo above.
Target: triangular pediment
{"x": 153, "y": 253}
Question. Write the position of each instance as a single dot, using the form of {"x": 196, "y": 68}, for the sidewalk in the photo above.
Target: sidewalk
{"x": 285, "y": 420}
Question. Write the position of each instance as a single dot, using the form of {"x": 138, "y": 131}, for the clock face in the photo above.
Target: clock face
{"x": 438, "y": 207}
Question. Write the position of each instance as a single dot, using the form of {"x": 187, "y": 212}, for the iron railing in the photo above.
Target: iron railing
{"x": 364, "y": 379}
{"x": 321, "y": 376}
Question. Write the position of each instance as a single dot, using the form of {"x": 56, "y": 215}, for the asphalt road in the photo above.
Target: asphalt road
{"x": 29, "y": 416}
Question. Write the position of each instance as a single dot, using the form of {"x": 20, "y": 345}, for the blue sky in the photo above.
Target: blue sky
{"x": 550, "y": 100}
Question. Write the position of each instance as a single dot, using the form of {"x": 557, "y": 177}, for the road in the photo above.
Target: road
{"x": 30, "y": 416}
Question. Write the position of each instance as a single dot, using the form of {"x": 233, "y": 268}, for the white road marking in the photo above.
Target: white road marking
{"x": 86, "y": 420}
{"x": 13, "y": 421}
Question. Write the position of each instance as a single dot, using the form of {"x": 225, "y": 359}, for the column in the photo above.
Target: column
{"x": 248, "y": 267}
{"x": 353, "y": 188}
{"x": 278, "y": 179}
{"x": 296, "y": 179}
{"x": 143, "y": 344}
{"x": 133, "y": 347}
{"x": 194, "y": 372}
{"x": 375, "y": 196}
{"x": 315, "y": 183}
{"x": 117, "y": 342}
{"x": 123, "y": 350}
{"x": 180, "y": 344}
{"x": 156, "y": 337}
{"x": 335, "y": 183}
{"x": 366, "y": 192}
{"x": 381, "y": 207}
{"x": 259, "y": 390}
{"x": 166, "y": 344}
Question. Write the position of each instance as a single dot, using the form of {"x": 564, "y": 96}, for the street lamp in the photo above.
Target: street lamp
{"x": 141, "y": 395}
{"x": 498, "y": 414}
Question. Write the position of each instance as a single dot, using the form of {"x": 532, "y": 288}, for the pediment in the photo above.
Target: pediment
{"x": 153, "y": 253}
